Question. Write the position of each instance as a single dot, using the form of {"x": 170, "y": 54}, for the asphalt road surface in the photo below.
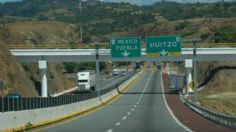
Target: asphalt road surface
{"x": 141, "y": 109}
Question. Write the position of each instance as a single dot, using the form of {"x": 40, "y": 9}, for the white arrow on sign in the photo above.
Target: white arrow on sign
{"x": 125, "y": 54}
{"x": 163, "y": 52}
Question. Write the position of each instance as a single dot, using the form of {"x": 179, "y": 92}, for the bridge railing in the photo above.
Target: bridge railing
{"x": 106, "y": 46}
{"x": 222, "y": 119}
{"x": 29, "y": 103}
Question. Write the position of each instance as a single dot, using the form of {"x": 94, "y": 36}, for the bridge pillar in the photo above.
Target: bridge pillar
{"x": 189, "y": 66}
{"x": 44, "y": 85}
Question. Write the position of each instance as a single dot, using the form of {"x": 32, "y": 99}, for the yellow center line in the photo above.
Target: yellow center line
{"x": 103, "y": 105}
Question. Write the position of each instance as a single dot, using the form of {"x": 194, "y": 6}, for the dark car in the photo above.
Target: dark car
{"x": 177, "y": 83}
{"x": 158, "y": 66}
{"x": 13, "y": 96}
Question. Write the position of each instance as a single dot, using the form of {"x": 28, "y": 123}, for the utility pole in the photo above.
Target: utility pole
{"x": 195, "y": 69}
{"x": 81, "y": 29}
{"x": 97, "y": 70}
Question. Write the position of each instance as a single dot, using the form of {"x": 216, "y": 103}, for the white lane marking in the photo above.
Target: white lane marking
{"x": 129, "y": 113}
{"x": 135, "y": 106}
{"x": 137, "y": 103}
{"x": 132, "y": 109}
{"x": 170, "y": 111}
{"x": 118, "y": 123}
{"x": 124, "y": 117}
{"x": 139, "y": 99}
{"x": 109, "y": 130}
{"x": 147, "y": 82}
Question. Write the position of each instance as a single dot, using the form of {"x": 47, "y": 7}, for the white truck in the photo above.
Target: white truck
{"x": 86, "y": 81}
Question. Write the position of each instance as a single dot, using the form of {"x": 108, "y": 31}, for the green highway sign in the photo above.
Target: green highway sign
{"x": 163, "y": 46}
{"x": 125, "y": 47}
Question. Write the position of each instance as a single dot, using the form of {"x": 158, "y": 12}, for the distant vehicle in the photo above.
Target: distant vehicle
{"x": 138, "y": 65}
{"x": 118, "y": 71}
{"x": 158, "y": 66}
{"x": 13, "y": 96}
{"x": 123, "y": 73}
{"x": 177, "y": 83}
{"x": 86, "y": 81}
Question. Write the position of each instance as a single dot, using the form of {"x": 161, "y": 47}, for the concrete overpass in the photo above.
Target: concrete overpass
{"x": 85, "y": 55}
{"x": 88, "y": 55}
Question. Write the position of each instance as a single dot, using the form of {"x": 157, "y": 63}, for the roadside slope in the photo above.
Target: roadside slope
{"x": 13, "y": 75}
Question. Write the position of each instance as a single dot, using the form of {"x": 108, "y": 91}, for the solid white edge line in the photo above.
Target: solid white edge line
{"x": 170, "y": 111}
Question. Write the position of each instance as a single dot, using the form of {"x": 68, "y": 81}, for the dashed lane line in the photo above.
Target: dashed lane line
{"x": 129, "y": 113}
{"x": 110, "y": 130}
{"x": 124, "y": 118}
{"x": 132, "y": 109}
{"x": 118, "y": 123}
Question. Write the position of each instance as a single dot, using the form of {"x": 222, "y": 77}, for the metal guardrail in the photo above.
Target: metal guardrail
{"x": 29, "y": 103}
{"x": 222, "y": 119}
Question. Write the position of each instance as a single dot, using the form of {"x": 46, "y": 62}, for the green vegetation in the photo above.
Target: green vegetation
{"x": 100, "y": 20}
{"x": 72, "y": 67}
{"x": 225, "y": 34}
{"x": 176, "y": 11}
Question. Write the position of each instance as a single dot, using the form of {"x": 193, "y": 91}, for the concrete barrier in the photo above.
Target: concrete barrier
{"x": 20, "y": 120}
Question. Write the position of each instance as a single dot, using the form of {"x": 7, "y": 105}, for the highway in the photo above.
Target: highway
{"x": 112, "y": 81}
{"x": 140, "y": 109}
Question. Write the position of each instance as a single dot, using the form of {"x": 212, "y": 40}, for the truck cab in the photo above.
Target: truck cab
{"x": 86, "y": 81}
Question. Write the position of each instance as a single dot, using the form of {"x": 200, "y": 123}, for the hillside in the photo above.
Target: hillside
{"x": 45, "y": 33}
{"x": 25, "y": 78}
{"x": 100, "y": 20}
{"x": 13, "y": 75}
{"x": 220, "y": 93}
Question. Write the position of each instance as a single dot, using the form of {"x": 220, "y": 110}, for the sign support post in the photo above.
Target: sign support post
{"x": 97, "y": 69}
{"x": 195, "y": 70}
{"x": 1, "y": 87}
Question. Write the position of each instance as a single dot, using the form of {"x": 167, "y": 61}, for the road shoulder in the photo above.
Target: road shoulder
{"x": 186, "y": 116}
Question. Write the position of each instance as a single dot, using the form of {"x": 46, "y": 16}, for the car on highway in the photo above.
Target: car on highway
{"x": 158, "y": 66}
{"x": 177, "y": 83}
{"x": 123, "y": 73}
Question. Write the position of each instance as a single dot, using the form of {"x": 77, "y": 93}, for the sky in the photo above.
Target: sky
{"x": 147, "y": 2}
{"x": 7, "y": 0}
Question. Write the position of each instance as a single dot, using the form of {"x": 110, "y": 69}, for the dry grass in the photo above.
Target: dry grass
{"x": 12, "y": 73}
{"x": 220, "y": 93}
